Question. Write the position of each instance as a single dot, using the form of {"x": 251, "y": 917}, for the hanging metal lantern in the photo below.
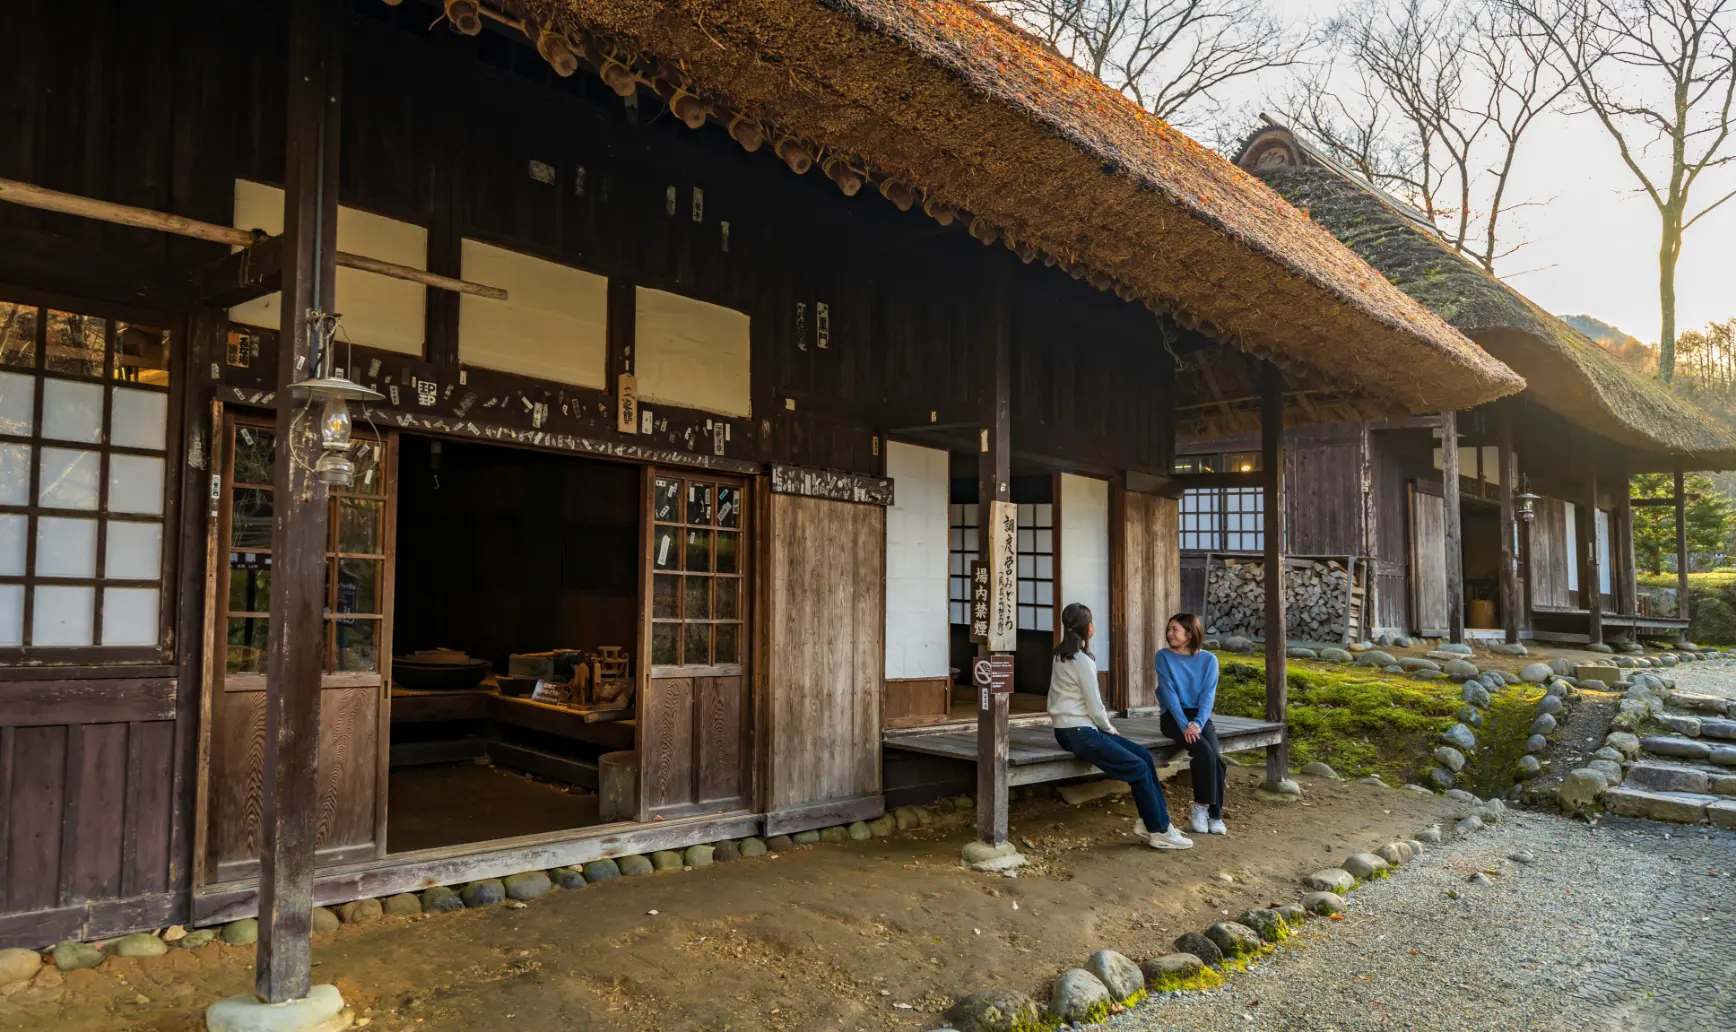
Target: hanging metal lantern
{"x": 334, "y": 390}
{"x": 1525, "y": 504}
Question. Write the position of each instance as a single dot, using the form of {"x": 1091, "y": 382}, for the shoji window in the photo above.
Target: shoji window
{"x": 84, "y": 429}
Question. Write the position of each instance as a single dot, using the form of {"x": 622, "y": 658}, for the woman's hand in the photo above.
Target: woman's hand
{"x": 1191, "y": 733}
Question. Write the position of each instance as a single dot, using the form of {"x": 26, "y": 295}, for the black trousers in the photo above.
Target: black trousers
{"x": 1209, "y": 768}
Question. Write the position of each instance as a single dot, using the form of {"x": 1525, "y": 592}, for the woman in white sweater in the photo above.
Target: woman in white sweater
{"x": 1082, "y": 728}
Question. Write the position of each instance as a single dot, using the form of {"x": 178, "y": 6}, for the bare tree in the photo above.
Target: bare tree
{"x": 1653, "y": 72}
{"x": 1431, "y": 98}
{"x": 1165, "y": 54}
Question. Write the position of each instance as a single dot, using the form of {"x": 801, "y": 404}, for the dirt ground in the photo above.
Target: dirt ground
{"x": 876, "y": 935}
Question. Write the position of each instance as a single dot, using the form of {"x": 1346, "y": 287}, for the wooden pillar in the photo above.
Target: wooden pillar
{"x": 1507, "y": 587}
{"x": 1450, "y": 503}
{"x": 1277, "y": 645}
{"x": 297, "y": 627}
{"x": 1622, "y": 544}
{"x": 1683, "y": 611}
{"x": 994, "y": 483}
{"x": 1593, "y": 580}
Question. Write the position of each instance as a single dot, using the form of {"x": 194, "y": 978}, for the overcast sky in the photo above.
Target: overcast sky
{"x": 1593, "y": 241}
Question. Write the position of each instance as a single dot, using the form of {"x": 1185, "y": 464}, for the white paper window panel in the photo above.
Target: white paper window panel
{"x": 554, "y": 323}
{"x": 1084, "y": 533}
{"x": 960, "y": 589}
{"x": 1027, "y": 541}
{"x": 14, "y": 474}
{"x": 69, "y": 478}
{"x": 1604, "y": 577}
{"x": 958, "y": 614}
{"x": 140, "y": 419}
{"x": 72, "y": 411}
{"x": 924, "y": 576}
{"x": 378, "y": 311}
{"x": 970, "y": 540}
{"x": 63, "y": 615}
{"x": 691, "y": 354}
{"x": 129, "y": 616}
{"x": 11, "y": 614}
{"x": 65, "y": 547}
{"x": 13, "y": 528}
{"x": 1573, "y": 545}
{"x": 17, "y": 403}
{"x": 958, "y": 564}
{"x": 135, "y": 484}
{"x": 964, "y": 515}
{"x": 134, "y": 550}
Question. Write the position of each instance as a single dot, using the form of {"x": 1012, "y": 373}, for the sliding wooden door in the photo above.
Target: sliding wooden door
{"x": 694, "y": 714}
{"x": 356, "y": 644}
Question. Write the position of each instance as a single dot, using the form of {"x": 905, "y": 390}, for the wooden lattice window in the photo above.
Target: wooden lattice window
{"x": 358, "y": 568}
{"x": 697, "y": 582}
{"x": 84, "y": 437}
{"x": 1037, "y": 567}
{"x": 961, "y": 548}
{"x": 1222, "y": 519}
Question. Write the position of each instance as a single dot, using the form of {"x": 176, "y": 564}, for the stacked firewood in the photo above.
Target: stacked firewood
{"x": 1315, "y": 599}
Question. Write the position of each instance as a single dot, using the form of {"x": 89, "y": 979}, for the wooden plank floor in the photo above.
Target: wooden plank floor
{"x": 1033, "y": 744}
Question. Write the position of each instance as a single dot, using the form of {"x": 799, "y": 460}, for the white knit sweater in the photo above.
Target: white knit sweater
{"x": 1074, "y": 700}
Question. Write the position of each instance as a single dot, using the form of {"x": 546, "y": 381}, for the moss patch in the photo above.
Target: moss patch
{"x": 1205, "y": 979}
{"x": 1360, "y": 721}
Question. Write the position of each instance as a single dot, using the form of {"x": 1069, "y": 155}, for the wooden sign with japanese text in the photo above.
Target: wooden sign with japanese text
{"x": 979, "y": 602}
{"x": 627, "y": 404}
{"x": 1003, "y": 531}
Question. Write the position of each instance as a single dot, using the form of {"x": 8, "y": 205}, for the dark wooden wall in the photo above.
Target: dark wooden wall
{"x": 161, "y": 105}
{"x": 1323, "y": 467}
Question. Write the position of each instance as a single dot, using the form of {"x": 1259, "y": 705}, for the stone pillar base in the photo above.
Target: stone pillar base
{"x": 1284, "y": 791}
{"x": 321, "y": 1010}
{"x": 1001, "y": 859}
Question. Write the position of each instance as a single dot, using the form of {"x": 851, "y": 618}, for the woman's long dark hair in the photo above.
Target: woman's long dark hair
{"x": 1075, "y": 631}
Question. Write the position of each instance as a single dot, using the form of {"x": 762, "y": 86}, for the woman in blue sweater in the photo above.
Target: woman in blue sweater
{"x": 1187, "y": 685}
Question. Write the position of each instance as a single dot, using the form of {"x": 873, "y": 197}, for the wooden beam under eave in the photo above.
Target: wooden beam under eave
{"x": 1507, "y": 586}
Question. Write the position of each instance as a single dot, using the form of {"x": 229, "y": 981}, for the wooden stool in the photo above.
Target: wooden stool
{"x": 618, "y": 786}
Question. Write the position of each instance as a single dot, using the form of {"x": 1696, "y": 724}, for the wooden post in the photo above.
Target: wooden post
{"x": 1627, "y": 591}
{"x": 1683, "y": 611}
{"x": 1507, "y": 587}
{"x": 1277, "y": 643}
{"x": 1450, "y": 502}
{"x": 1593, "y": 582}
{"x": 297, "y": 629}
{"x": 994, "y": 483}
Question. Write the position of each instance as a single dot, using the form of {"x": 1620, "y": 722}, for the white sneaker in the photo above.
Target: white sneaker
{"x": 1171, "y": 839}
{"x": 1201, "y": 814}
{"x": 1218, "y": 828}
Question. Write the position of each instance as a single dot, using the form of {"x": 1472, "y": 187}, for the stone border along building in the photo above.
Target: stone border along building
{"x": 1436, "y": 541}
{"x": 792, "y": 270}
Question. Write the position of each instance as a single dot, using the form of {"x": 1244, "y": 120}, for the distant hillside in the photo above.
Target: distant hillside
{"x": 1633, "y": 352}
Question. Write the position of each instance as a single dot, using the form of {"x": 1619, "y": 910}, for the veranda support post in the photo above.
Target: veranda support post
{"x": 1683, "y": 611}
{"x": 1452, "y": 527}
{"x": 289, "y": 803}
{"x": 1277, "y": 644}
{"x": 1508, "y": 581}
{"x": 994, "y": 483}
{"x": 1593, "y": 583}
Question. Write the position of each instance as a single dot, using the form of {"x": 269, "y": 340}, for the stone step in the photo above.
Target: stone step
{"x": 1704, "y": 704}
{"x": 1672, "y": 807}
{"x": 1659, "y": 776}
{"x": 1692, "y": 726}
{"x": 1693, "y": 750}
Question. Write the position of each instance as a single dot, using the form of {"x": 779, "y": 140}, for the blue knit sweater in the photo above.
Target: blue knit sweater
{"x": 1187, "y": 683}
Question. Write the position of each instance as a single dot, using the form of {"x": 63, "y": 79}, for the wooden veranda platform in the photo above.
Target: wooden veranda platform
{"x": 1034, "y": 757}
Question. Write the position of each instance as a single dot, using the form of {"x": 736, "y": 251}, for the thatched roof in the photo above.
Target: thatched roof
{"x": 977, "y": 115}
{"x": 1565, "y": 371}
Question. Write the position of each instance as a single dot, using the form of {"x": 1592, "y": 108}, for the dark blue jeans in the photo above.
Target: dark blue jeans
{"x": 1125, "y": 761}
{"x": 1208, "y": 763}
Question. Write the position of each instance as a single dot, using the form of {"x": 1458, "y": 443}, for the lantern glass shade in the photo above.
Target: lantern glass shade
{"x": 1526, "y": 504}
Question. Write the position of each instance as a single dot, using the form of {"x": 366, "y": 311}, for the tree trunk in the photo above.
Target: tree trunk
{"x": 1669, "y": 250}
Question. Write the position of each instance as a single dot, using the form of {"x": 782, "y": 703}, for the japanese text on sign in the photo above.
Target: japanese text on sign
{"x": 1004, "y": 579}
{"x": 979, "y": 601}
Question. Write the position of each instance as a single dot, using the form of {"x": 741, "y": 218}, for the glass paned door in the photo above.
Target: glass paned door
{"x": 694, "y": 712}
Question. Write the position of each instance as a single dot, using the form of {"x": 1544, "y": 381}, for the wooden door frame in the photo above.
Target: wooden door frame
{"x": 748, "y": 640}
{"x": 214, "y": 669}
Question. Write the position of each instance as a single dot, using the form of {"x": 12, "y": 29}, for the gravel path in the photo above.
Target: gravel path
{"x": 1717, "y": 677}
{"x": 1617, "y": 927}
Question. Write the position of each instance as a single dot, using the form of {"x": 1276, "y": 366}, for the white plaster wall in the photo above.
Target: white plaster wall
{"x": 375, "y": 310}
{"x": 917, "y": 629}
{"x": 1572, "y": 546}
{"x": 553, "y": 323}
{"x": 1605, "y": 572}
{"x": 690, "y": 353}
{"x": 1085, "y": 555}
